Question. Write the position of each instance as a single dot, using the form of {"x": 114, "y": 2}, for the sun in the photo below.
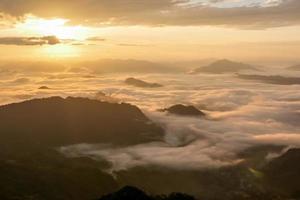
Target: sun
{"x": 55, "y": 27}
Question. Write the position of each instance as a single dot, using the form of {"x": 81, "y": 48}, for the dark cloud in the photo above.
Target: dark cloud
{"x": 157, "y": 12}
{"x": 29, "y": 41}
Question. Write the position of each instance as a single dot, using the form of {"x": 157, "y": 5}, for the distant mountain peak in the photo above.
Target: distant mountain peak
{"x": 224, "y": 66}
{"x": 140, "y": 83}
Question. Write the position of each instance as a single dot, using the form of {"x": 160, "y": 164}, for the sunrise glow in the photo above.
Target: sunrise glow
{"x": 57, "y": 27}
{"x": 149, "y": 99}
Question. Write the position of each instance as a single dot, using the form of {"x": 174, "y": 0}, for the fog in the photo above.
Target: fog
{"x": 239, "y": 113}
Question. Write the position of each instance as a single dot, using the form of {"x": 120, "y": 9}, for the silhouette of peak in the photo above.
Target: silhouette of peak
{"x": 224, "y": 66}
{"x": 224, "y": 61}
{"x": 133, "y": 193}
{"x": 180, "y": 109}
{"x": 44, "y": 88}
{"x": 140, "y": 83}
{"x": 127, "y": 193}
{"x": 63, "y": 121}
{"x": 130, "y": 189}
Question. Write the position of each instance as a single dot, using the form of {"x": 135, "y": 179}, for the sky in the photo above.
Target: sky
{"x": 160, "y": 30}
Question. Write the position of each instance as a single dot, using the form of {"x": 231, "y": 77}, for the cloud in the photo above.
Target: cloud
{"x": 190, "y": 144}
{"x": 28, "y": 67}
{"x": 241, "y": 114}
{"x": 29, "y": 41}
{"x": 280, "y": 138}
{"x": 225, "y": 100}
{"x": 21, "y": 81}
{"x": 159, "y": 12}
{"x": 96, "y": 39}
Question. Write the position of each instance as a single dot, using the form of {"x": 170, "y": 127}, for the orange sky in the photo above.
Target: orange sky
{"x": 91, "y": 36}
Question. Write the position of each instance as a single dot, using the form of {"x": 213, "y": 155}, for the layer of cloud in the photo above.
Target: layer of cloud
{"x": 95, "y": 38}
{"x": 240, "y": 114}
{"x": 29, "y": 41}
{"x": 159, "y": 12}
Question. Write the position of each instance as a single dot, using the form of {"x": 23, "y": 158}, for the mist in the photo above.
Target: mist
{"x": 239, "y": 113}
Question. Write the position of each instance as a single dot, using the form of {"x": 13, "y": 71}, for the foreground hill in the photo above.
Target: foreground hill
{"x": 48, "y": 175}
{"x": 283, "y": 173}
{"x": 39, "y": 171}
{"x": 42, "y": 174}
{"x": 133, "y": 193}
{"x": 224, "y": 66}
{"x": 57, "y": 121}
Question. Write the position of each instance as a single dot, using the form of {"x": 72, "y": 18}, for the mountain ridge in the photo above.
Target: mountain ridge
{"x": 63, "y": 121}
{"x": 224, "y": 66}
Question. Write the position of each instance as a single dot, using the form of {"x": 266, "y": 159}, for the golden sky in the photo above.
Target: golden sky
{"x": 256, "y": 30}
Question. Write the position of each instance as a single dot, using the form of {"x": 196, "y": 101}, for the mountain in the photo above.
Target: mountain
{"x": 139, "y": 83}
{"x": 184, "y": 110}
{"x": 44, "y": 174}
{"x": 236, "y": 182}
{"x": 294, "y": 68}
{"x": 280, "y": 80}
{"x": 57, "y": 121}
{"x": 31, "y": 168}
{"x": 44, "y": 88}
{"x": 224, "y": 66}
{"x": 133, "y": 193}
{"x": 283, "y": 174}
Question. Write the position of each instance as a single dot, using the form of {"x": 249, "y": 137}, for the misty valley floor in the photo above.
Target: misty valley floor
{"x": 244, "y": 147}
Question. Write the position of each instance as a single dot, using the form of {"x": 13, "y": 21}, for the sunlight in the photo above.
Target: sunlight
{"x": 56, "y": 27}
{"x": 59, "y": 51}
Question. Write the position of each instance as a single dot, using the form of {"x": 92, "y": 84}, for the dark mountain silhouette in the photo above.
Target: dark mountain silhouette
{"x": 224, "y": 66}
{"x": 57, "y": 121}
{"x": 133, "y": 193}
{"x": 139, "y": 83}
{"x": 294, "y": 68}
{"x": 44, "y": 88}
{"x": 283, "y": 173}
{"x": 31, "y": 168}
{"x": 44, "y": 174}
{"x": 280, "y": 80}
{"x": 184, "y": 110}
{"x": 127, "y": 192}
{"x": 236, "y": 182}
